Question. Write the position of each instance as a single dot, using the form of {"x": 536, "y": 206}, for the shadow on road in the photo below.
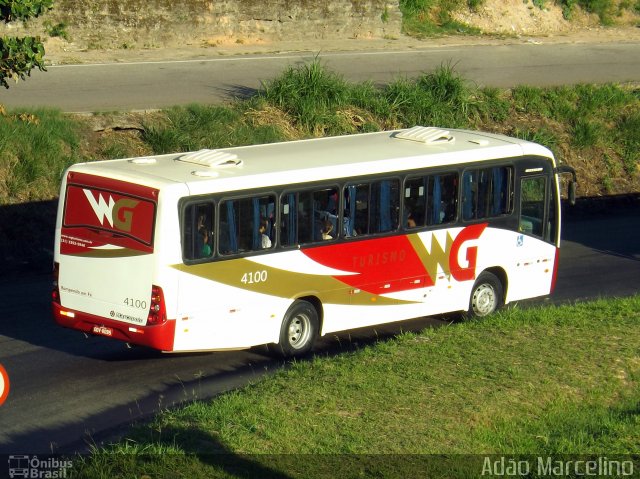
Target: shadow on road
{"x": 237, "y": 92}
{"x": 608, "y": 225}
{"x": 26, "y": 237}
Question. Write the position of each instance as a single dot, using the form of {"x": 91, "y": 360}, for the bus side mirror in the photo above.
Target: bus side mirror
{"x": 572, "y": 193}
{"x": 567, "y": 170}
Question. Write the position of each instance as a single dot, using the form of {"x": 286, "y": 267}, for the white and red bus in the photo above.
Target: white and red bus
{"x": 280, "y": 243}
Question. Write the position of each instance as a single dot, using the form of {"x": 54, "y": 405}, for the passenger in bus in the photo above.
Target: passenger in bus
{"x": 202, "y": 238}
{"x": 411, "y": 222}
{"x": 327, "y": 228}
{"x": 205, "y": 250}
{"x": 332, "y": 202}
{"x": 265, "y": 241}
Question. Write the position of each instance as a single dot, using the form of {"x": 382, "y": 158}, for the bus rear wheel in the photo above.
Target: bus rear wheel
{"x": 299, "y": 329}
{"x": 486, "y": 296}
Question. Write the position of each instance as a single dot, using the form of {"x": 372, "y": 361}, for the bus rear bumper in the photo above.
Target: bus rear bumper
{"x": 157, "y": 336}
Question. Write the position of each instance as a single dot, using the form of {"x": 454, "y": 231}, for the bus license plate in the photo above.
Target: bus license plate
{"x": 102, "y": 330}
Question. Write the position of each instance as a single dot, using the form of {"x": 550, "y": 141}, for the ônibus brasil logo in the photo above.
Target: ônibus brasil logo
{"x": 4, "y": 385}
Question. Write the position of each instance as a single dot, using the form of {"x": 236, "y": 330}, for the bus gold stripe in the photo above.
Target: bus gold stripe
{"x": 286, "y": 284}
{"x": 109, "y": 253}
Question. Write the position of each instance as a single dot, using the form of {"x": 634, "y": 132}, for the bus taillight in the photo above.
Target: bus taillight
{"x": 55, "y": 292}
{"x": 157, "y": 311}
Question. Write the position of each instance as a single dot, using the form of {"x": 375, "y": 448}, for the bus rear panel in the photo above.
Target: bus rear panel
{"x": 105, "y": 268}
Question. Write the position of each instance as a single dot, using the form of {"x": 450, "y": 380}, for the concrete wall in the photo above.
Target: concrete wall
{"x": 157, "y": 23}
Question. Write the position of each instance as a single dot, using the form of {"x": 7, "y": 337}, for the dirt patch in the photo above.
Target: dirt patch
{"x": 517, "y": 17}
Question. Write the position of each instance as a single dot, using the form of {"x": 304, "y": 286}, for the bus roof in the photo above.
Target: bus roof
{"x": 238, "y": 168}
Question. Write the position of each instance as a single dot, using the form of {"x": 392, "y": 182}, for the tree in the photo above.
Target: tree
{"x": 20, "y": 55}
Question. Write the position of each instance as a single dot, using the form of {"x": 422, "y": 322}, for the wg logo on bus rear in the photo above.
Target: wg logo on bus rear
{"x": 119, "y": 214}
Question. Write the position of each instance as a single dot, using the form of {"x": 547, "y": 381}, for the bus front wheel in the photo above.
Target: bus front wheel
{"x": 299, "y": 329}
{"x": 486, "y": 296}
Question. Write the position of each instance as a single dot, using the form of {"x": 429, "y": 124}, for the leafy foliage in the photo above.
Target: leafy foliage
{"x": 11, "y": 10}
{"x": 18, "y": 56}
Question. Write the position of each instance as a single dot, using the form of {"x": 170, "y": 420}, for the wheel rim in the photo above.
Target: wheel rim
{"x": 484, "y": 300}
{"x": 299, "y": 331}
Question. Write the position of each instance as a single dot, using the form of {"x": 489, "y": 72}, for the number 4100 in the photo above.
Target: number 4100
{"x": 254, "y": 277}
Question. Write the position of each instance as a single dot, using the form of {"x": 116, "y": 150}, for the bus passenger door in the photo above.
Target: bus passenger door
{"x": 536, "y": 238}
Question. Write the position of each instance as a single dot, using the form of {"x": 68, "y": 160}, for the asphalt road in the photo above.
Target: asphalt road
{"x": 67, "y": 391}
{"x": 149, "y": 85}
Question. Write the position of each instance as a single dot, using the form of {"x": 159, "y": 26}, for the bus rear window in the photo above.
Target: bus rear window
{"x": 103, "y": 210}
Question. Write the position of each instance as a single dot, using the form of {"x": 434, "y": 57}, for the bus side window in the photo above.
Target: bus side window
{"x": 415, "y": 202}
{"x": 486, "y": 192}
{"x": 198, "y": 231}
{"x": 385, "y": 206}
{"x": 356, "y": 213}
{"x": 296, "y": 216}
{"x": 288, "y": 220}
{"x": 371, "y": 207}
{"x": 431, "y": 200}
{"x": 442, "y": 199}
{"x": 309, "y": 216}
{"x": 306, "y": 221}
{"x": 247, "y": 224}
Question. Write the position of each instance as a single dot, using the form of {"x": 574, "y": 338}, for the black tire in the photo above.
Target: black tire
{"x": 299, "y": 329}
{"x": 487, "y": 296}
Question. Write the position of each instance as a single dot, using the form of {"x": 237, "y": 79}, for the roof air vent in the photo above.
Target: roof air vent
{"x": 426, "y": 134}
{"x": 143, "y": 161}
{"x": 212, "y": 159}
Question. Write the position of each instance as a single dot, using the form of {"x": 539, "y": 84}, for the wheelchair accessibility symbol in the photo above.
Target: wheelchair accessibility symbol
{"x": 4, "y": 385}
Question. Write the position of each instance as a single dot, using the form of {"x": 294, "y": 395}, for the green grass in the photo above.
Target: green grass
{"x": 543, "y": 381}
{"x": 316, "y": 99}
{"x": 428, "y": 18}
{"x": 199, "y": 126}
{"x": 603, "y": 116}
{"x": 629, "y": 138}
{"x": 35, "y": 148}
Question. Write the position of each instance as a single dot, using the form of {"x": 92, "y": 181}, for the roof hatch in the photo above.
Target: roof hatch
{"x": 211, "y": 158}
{"x": 427, "y": 135}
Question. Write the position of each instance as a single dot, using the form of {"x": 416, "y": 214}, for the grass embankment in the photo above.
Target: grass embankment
{"x": 428, "y": 18}
{"x": 595, "y": 128}
{"x": 544, "y": 381}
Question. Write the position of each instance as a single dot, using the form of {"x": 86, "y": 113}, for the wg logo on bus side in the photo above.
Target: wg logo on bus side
{"x": 119, "y": 214}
